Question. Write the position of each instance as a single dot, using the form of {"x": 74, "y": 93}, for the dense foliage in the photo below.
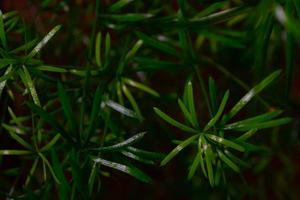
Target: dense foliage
{"x": 168, "y": 99}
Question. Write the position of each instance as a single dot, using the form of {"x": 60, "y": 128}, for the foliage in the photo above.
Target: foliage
{"x": 70, "y": 125}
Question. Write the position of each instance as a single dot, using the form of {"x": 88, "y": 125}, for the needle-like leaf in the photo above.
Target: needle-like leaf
{"x": 229, "y": 162}
{"x": 49, "y": 167}
{"x": 132, "y": 101}
{"x": 121, "y": 109}
{"x": 173, "y": 121}
{"x": 137, "y": 157}
{"x": 26, "y": 78}
{"x": 177, "y": 149}
{"x": 157, "y": 44}
{"x": 209, "y": 158}
{"x": 140, "y": 86}
{"x": 43, "y": 42}
{"x": 253, "y": 120}
{"x": 133, "y": 50}
{"x": 49, "y": 68}
{"x": 254, "y": 91}
{"x": 195, "y": 165}
{"x": 51, "y": 143}
{"x": 95, "y": 112}
{"x": 126, "y": 169}
{"x": 186, "y": 113}
{"x": 123, "y": 144}
{"x": 8, "y": 74}
{"x": 262, "y": 125}
{"x": 246, "y": 135}
{"x": 51, "y": 120}
{"x": 25, "y": 46}
{"x": 225, "y": 142}
{"x": 215, "y": 119}
{"x": 119, "y": 4}
{"x": 2, "y": 31}
{"x": 17, "y": 138}
{"x": 98, "y": 49}
{"x": 66, "y": 105}
{"x": 191, "y": 105}
{"x": 64, "y": 188}
{"x": 14, "y": 152}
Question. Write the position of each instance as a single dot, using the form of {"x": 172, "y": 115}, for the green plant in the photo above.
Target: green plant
{"x": 213, "y": 148}
{"x": 76, "y": 101}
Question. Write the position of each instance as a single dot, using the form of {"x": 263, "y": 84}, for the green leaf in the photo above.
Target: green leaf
{"x": 130, "y": 17}
{"x": 236, "y": 159}
{"x": 119, "y": 4}
{"x": 215, "y": 119}
{"x": 290, "y": 56}
{"x": 133, "y": 50}
{"x": 209, "y": 158}
{"x": 51, "y": 120}
{"x": 173, "y": 121}
{"x": 49, "y": 68}
{"x": 137, "y": 157}
{"x": 31, "y": 172}
{"x": 8, "y": 73}
{"x": 218, "y": 173}
{"x": 210, "y": 9}
{"x": 16, "y": 129}
{"x": 132, "y": 101}
{"x": 201, "y": 149}
{"x": 66, "y": 105}
{"x": 225, "y": 142}
{"x": 14, "y": 152}
{"x": 7, "y": 61}
{"x": 228, "y": 162}
{"x": 218, "y": 17}
{"x": 14, "y": 117}
{"x": 95, "y": 112}
{"x": 107, "y": 47}
{"x": 26, "y": 78}
{"x": 79, "y": 177}
{"x": 2, "y": 31}
{"x": 17, "y": 138}
{"x": 146, "y": 154}
{"x": 126, "y": 169}
{"x": 177, "y": 149}
{"x": 45, "y": 160}
{"x": 50, "y": 144}
{"x": 25, "y": 46}
{"x": 246, "y": 135}
{"x": 253, "y": 120}
{"x": 228, "y": 41}
{"x": 63, "y": 188}
{"x": 254, "y": 91}
{"x": 191, "y": 105}
{"x": 9, "y": 14}
{"x": 157, "y": 44}
{"x": 140, "y": 86}
{"x": 263, "y": 125}
{"x": 121, "y": 109}
{"x": 123, "y": 144}
{"x": 195, "y": 165}
{"x": 43, "y": 42}
{"x": 186, "y": 113}
{"x": 98, "y": 49}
